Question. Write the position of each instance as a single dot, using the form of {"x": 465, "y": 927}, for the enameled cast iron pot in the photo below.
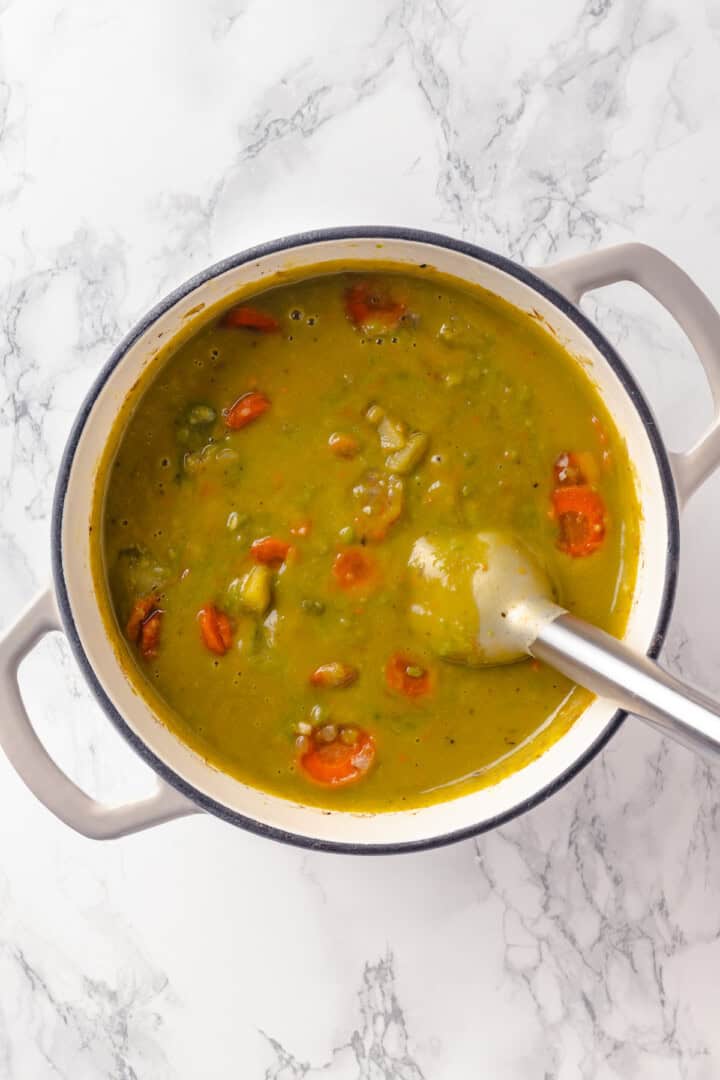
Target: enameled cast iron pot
{"x": 185, "y": 783}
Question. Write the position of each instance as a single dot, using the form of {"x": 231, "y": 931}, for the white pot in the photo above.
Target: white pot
{"x": 186, "y": 783}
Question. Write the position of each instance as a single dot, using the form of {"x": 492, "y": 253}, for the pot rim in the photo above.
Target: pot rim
{"x": 299, "y": 240}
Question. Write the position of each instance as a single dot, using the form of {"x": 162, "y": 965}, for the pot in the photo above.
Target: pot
{"x": 186, "y": 784}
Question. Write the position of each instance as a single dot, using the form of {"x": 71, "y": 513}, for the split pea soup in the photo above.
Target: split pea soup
{"x": 260, "y": 498}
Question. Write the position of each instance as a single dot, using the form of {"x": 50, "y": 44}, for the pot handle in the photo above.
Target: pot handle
{"x": 687, "y": 304}
{"x": 35, "y": 766}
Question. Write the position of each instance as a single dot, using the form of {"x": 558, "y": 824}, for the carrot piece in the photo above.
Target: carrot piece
{"x": 404, "y": 675}
{"x": 367, "y": 306}
{"x": 580, "y": 514}
{"x": 270, "y": 551}
{"x": 334, "y": 675}
{"x": 342, "y": 445}
{"x": 250, "y": 318}
{"x": 215, "y": 629}
{"x": 353, "y": 569}
{"x": 246, "y": 409}
{"x": 302, "y": 528}
{"x": 149, "y": 639}
{"x": 339, "y": 762}
{"x": 142, "y": 609}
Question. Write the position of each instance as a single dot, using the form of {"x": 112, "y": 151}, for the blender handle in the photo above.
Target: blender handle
{"x": 601, "y": 663}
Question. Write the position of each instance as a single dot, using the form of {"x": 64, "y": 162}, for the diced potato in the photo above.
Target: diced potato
{"x": 393, "y": 433}
{"x": 253, "y": 592}
{"x": 403, "y": 461}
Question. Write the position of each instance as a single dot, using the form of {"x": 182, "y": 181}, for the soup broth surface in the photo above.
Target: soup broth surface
{"x": 260, "y": 499}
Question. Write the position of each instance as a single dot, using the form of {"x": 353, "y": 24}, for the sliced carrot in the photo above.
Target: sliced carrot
{"x": 580, "y": 514}
{"x": 215, "y": 629}
{"x": 149, "y": 640}
{"x": 342, "y": 445}
{"x": 246, "y": 409}
{"x": 302, "y": 528}
{"x": 405, "y": 675}
{"x": 354, "y": 570}
{"x": 250, "y": 318}
{"x": 367, "y": 306}
{"x": 270, "y": 551}
{"x": 142, "y": 608}
{"x": 334, "y": 675}
{"x": 339, "y": 762}
{"x": 380, "y": 502}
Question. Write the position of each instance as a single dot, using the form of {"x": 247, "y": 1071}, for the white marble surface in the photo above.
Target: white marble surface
{"x": 141, "y": 141}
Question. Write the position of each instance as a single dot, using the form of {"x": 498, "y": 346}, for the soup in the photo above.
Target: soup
{"x": 258, "y": 506}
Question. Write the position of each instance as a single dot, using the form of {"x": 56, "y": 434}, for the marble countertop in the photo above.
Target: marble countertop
{"x": 140, "y": 142}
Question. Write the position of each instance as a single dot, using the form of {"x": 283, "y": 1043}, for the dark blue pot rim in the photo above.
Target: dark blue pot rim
{"x": 299, "y": 240}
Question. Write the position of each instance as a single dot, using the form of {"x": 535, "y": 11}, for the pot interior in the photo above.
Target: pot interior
{"x": 163, "y": 749}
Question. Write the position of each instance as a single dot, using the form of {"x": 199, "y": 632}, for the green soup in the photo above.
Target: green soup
{"x": 259, "y": 500}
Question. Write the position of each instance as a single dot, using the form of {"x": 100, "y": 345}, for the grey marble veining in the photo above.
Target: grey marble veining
{"x": 140, "y": 142}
